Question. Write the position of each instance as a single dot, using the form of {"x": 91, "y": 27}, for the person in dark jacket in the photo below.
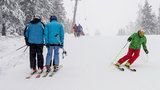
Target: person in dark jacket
{"x": 34, "y": 37}
{"x": 54, "y": 39}
{"x": 75, "y": 30}
{"x": 79, "y": 30}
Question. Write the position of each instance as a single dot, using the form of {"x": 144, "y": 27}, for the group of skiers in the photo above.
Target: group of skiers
{"x": 37, "y": 34}
{"x": 78, "y": 30}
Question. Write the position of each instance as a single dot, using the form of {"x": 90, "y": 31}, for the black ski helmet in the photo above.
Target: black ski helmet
{"x": 53, "y": 18}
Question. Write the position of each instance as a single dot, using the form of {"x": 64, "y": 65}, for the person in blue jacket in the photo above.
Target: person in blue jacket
{"x": 54, "y": 39}
{"x": 79, "y": 30}
{"x": 34, "y": 37}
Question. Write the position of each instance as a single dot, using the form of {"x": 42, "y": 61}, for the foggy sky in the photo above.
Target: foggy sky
{"x": 106, "y": 16}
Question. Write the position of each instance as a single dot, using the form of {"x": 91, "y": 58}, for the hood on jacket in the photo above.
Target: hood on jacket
{"x": 53, "y": 18}
{"x": 35, "y": 21}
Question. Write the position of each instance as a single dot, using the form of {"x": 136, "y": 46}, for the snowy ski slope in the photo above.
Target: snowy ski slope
{"x": 87, "y": 66}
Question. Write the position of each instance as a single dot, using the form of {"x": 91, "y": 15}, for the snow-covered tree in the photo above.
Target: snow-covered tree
{"x": 12, "y": 16}
{"x": 15, "y": 14}
{"x": 159, "y": 22}
{"x": 28, "y": 7}
{"x": 59, "y": 10}
{"x": 44, "y": 8}
{"x": 68, "y": 25}
{"x": 3, "y": 30}
{"x": 147, "y": 19}
{"x": 0, "y": 20}
{"x": 139, "y": 18}
{"x": 121, "y": 32}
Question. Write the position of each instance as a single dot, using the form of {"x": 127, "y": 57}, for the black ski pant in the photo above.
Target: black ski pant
{"x": 36, "y": 56}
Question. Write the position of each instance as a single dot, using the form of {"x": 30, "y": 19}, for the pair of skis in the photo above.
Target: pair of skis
{"x": 52, "y": 72}
{"x": 32, "y": 74}
{"x": 38, "y": 75}
{"x": 122, "y": 69}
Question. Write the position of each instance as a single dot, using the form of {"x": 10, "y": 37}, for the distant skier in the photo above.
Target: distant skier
{"x": 75, "y": 30}
{"x": 54, "y": 39}
{"x": 34, "y": 37}
{"x": 79, "y": 30}
{"x": 136, "y": 39}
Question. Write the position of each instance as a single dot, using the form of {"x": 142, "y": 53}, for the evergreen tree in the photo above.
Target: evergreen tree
{"x": 12, "y": 16}
{"x": 28, "y": 7}
{"x": 0, "y": 18}
{"x": 121, "y": 32}
{"x": 3, "y": 30}
{"x": 148, "y": 19}
{"x": 15, "y": 14}
{"x": 159, "y": 22}
{"x": 59, "y": 10}
{"x": 68, "y": 26}
{"x": 139, "y": 18}
{"x": 46, "y": 8}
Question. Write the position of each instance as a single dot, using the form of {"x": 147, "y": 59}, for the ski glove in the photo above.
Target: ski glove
{"x": 27, "y": 43}
{"x": 129, "y": 39}
{"x": 146, "y": 51}
{"x": 61, "y": 45}
{"x": 47, "y": 45}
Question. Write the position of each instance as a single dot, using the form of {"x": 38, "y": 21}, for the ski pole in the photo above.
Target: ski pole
{"x": 119, "y": 53}
{"x": 25, "y": 49}
{"x": 147, "y": 58}
{"x": 12, "y": 51}
{"x": 20, "y": 48}
{"x": 21, "y": 56}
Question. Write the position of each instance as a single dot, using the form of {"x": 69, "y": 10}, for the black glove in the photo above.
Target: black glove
{"x": 64, "y": 53}
{"x": 129, "y": 39}
{"x": 47, "y": 45}
{"x": 27, "y": 43}
{"x": 146, "y": 51}
{"x": 61, "y": 45}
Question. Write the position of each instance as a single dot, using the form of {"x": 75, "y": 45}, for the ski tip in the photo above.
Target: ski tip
{"x": 121, "y": 69}
{"x": 50, "y": 75}
{"x": 134, "y": 70}
{"x": 38, "y": 76}
{"x": 27, "y": 77}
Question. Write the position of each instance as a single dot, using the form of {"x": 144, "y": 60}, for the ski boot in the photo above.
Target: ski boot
{"x": 48, "y": 69}
{"x": 127, "y": 65}
{"x": 33, "y": 71}
{"x": 40, "y": 70}
{"x": 117, "y": 65}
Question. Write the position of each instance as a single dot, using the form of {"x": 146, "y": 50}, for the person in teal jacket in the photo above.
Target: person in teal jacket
{"x": 34, "y": 37}
{"x": 54, "y": 39}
